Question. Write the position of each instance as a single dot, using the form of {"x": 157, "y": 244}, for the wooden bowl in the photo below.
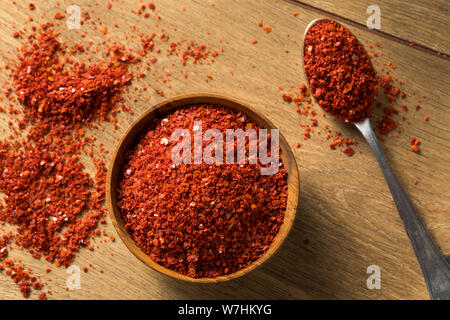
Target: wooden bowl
{"x": 134, "y": 133}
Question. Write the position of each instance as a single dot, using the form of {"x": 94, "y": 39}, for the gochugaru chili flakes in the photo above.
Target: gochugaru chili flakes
{"x": 46, "y": 193}
{"x": 340, "y": 73}
{"x": 200, "y": 220}
{"x": 53, "y": 92}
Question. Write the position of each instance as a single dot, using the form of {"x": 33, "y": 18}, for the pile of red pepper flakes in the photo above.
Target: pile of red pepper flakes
{"x": 48, "y": 196}
{"x": 386, "y": 123}
{"x": 200, "y": 220}
{"x": 339, "y": 71}
{"x": 54, "y": 94}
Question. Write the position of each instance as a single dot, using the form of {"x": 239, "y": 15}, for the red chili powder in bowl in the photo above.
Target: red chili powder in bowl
{"x": 201, "y": 220}
{"x": 339, "y": 71}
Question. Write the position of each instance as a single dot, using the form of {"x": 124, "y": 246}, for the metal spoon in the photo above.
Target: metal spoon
{"x": 435, "y": 266}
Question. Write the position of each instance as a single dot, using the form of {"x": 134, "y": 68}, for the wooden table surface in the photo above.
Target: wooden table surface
{"x": 347, "y": 219}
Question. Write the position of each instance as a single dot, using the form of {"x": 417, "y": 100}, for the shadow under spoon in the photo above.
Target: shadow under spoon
{"x": 435, "y": 266}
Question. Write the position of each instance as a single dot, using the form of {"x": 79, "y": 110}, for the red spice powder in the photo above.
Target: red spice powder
{"x": 386, "y": 124}
{"x": 200, "y": 220}
{"x": 303, "y": 101}
{"x": 54, "y": 94}
{"x": 348, "y": 151}
{"x": 339, "y": 71}
{"x": 389, "y": 121}
{"x": 22, "y": 277}
{"x": 47, "y": 197}
{"x": 47, "y": 194}
{"x": 415, "y": 145}
{"x": 42, "y": 296}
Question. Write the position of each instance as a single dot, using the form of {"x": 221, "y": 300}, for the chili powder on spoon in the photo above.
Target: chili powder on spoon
{"x": 339, "y": 70}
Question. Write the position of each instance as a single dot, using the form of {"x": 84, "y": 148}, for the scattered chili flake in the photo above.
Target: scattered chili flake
{"x": 386, "y": 124}
{"x": 19, "y": 275}
{"x": 267, "y": 29}
{"x": 58, "y": 16}
{"x": 416, "y": 181}
{"x": 302, "y": 102}
{"x": 42, "y": 296}
{"x": 348, "y": 151}
{"x": 254, "y": 41}
{"x": 287, "y": 98}
{"x": 415, "y": 145}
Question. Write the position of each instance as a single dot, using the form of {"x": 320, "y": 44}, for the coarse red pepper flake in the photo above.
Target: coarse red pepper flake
{"x": 340, "y": 73}
{"x": 415, "y": 145}
{"x": 200, "y": 220}
{"x": 54, "y": 204}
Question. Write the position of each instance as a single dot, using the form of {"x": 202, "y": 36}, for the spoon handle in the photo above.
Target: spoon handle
{"x": 435, "y": 267}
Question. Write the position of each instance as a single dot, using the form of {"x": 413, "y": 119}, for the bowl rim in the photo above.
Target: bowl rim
{"x": 171, "y": 104}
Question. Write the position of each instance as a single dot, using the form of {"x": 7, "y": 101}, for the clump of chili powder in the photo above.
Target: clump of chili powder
{"x": 339, "y": 71}
{"x": 200, "y": 220}
{"x": 47, "y": 195}
{"x": 46, "y": 192}
{"x": 55, "y": 93}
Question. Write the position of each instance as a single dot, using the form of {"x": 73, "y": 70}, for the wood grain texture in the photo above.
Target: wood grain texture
{"x": 346, "y": 211}
{"x": 426, "y": 24}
